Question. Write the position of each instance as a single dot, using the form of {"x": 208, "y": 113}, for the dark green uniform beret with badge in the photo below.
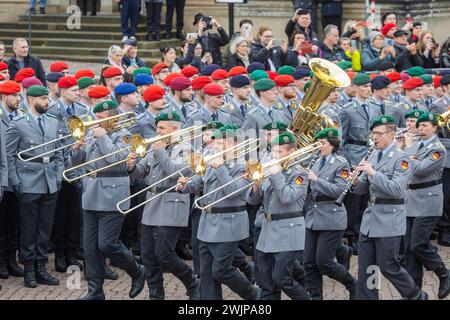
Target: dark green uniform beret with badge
{"x": 284, "y": 138}
{"x": 276, "y": 125}
{"x": 105, "y": 105}
{"x": 382, "y": 121}
{"x": 427, "y": 117}
{"x": 213, "y": 125}
{"x": 413, "y": 114}
{"x": 226, "y": 131}
{"x": 168, "y": 116}
{"x": 327, "y": 133}
{"x": 37, "y": 91}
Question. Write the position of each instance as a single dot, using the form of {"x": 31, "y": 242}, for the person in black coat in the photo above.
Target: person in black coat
{"x": 301, "y": 21}
{"x": 21, "y": 59}
{"x": 130, "y": 57}
{"x": 408, "y": 58}
{"x": 240, "y": 53}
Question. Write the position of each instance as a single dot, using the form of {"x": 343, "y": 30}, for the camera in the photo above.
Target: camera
{"x": 207, "y": 21}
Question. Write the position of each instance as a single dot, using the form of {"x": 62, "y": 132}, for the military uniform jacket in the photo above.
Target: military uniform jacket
{"x": 173, "y": 106}
{"x": 389, "y": 182}
{"x": 203, "y": 116}
{"x": 284, "y": 192}
{"x": 222, "y": 227}
{"x": 59, "y": 110}
{"x": 287, "y": 110}
{"x": 172, "y": 208}
{"x": 103, "y": 193}
{"x": 403, "y": 108}
{"x": 332, "y": 111}
{"x": 429, "y": 201}
{"x": 440, "y": 106}
{"x": 355, "y": 126}
{"x": 332, "y": 178}
{"x": 395, "y": 99}
{"x": 140, "y": 108}
{"x": 258, "y": 117}
{"x": 34, "y": 177}
{"x": 145, "y": 125}
{"x": 389, "y": 108}
{"x": 235, "y": 112}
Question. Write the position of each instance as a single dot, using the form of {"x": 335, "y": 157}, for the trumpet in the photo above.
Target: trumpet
{"x": 444, "y": 120}
{"x": 197, "y": 164}
{"x": 256, "y": 170}
{"x": 138, "y": 145}
{"x": 78, "y": 130}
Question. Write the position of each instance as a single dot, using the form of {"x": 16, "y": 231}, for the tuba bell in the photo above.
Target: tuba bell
{"x": 307, "y": 122}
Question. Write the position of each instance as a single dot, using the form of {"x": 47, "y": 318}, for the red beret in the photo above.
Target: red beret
{"x": 98, "y": 92}
{"x": 213, "y": 89}
{"x": 3, "y": 66}
{"x": 373, "y": 75}
{"x": 284, "y": 80}
{"x": 170, "y": 77}
{"x": 23, "y": 74}
{"x": 272, "y": 75}
{"x": 412, "y": 83}
{"x": 351, "y": 74}
{"x": 189, "y": 71}
{"x": 2, "y": 77}
{"x": 84, "y": 73}
{"x": 111, "y": 72}
{"x": 67, "y": 82}
{"x": 58, "y": 66}
{"x": 199, "y": 82}
{"x": 158, "y": 67}
{"x": 437, "y": 81}
{"x": 153, "y": 92}
{"x": 180, "y": 83}
{"x": 219, "y": 74}
{"x": 237, "y": 70}
{"x": 9, "y": 87}
{"x": 385, "y": 29}
{"x": 394, "y": 76}
{"x": 31, "y": 81}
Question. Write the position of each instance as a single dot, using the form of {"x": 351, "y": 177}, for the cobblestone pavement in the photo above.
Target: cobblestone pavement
{"x": 13, "y": 287}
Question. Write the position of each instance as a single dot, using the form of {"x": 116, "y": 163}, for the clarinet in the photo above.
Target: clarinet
{"x": 314, "y": 159}
{"x": 340, "y": 200}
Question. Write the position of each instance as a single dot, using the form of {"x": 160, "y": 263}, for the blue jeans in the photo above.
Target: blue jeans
{"x": 41, "y": 3}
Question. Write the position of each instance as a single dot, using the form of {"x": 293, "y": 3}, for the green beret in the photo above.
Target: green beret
{"x": 142, "y": 70}
{"x": 361, "y": 79}
{"x": 277, "y": 125}
{"x": 284, "y": 138}
{"x": 85, "y": 82}
{"x": 427, "y": 117}
{"x": 37, "y": 91}
{"x": 326, "y": 133}
{"x": 168, "y": 116}
{"x": 306, "y": 86}
{"x": 382, "y": 120}
{"x": 213, "y": 125}
{"x": 105, "y": 105}
{"x": 416, "y": 71}
{"x": 344, "y": 64}
{"x": 227, "y": 131}
{"x": 264, "y": 85}
{"x": 258, "y": 74}
{"x": 426, "y": 78}
{"x": 286, "y": 70}
{"x": 413, "y": 114}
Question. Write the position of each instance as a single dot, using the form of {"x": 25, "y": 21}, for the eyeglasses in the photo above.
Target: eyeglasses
{"x": 375, "y": 133}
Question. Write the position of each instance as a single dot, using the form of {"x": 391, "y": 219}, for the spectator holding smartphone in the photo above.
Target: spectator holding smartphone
{"x": 429, "y": 50}
{"x": 352, "y": 53}
{"x": 188, "y": 56}
{"x": 391, "y": 17}
{"x": 311, "y": 7}
{"x": 377, "y": 53}
{"x": 408, "y": 58}
{"x": 130, "y": 55}
{"x": 356, "y": 32}
{"x": 303, "y": 49}
{"x": 301, "y": 21}
{"x": 415, "y": 32}
{"x": 445, "y": 54}
{"x": 246, "y": 31}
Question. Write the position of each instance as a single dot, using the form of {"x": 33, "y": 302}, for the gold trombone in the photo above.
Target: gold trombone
{"x": 256, "y": 170}
{"x": 444, "y": 120}
{"x": 197, "y": 163}
{"x": 78, "y": 129}
{"x": 138, "y": 145}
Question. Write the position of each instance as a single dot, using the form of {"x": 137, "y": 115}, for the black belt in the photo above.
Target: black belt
{"x": 375, "y": 200}
{"x": 226, "y": 209}
{"x": 423, "y": 185}
{"x": 39, "y": 160}
{"x": 161, "y": 189}
{"x": 281, "y": 216}
{"x": 357, "y": 142}
{"x": 111, "y": 174}
{"x": 322, "y": 198}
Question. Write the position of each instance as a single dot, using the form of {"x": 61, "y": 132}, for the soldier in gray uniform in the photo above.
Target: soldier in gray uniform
{"x": 440, "y": 106}
{"x": 9, "y": 209}
{"x": 223, "y": 226}
{"x": 413, "y": 95}
{"x": 395, "y": 88}
{"x": 325, "y": 220}
{"x": 68, "y": 214}
{"x": 84, "y": 85}
{"x": 35, "y": 182}
{"x": 101, "y": 220}
{"x": 356, "y": 117}
{"x": 155, "y": 103}
{"x": 240, "y": 105}
{"x": 379, "y": 100}
{"x": 331, "y": 109}
{"x": 181, "y": 88}
{"x": 301, "y": 77}
{"x": 424, "y": 204}
{"x": 283, "y": 230}
{"x": 286, "y": 93}
{"x": 142, "y": 81}
{"x": 427, "y": 90}
{"x": 348, "y": 94}
{"x": 384, "y": 175}
{"x": 164, "y": 218}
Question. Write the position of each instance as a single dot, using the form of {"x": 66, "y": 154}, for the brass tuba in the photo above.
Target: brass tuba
{"x": 444, "y": 119}
{"x": 307, "y": 122}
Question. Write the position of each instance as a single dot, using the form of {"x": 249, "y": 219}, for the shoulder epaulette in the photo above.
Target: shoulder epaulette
{"x": 51, "y": 116}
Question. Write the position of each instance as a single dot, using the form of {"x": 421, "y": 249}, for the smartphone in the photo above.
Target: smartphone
{"x": 277, "y": 42}
{"x": 409, "y": 18}
{"x": 191, "y": 35}
{"x": 307, "y": 47}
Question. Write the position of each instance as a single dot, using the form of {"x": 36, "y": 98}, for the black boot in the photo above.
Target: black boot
{"x": 180, "y": 33}
{"x": 298, "y": 273}
{"x": 444, "y": 238}
{"x": 192, "y": 284}
{"x": 29, "y": 275}
{"x": 72, "y": 261}
{"x": 60, "y": 263}
{"x": 422, "y": 295}
{"x": 156, "y": 293}
{"x": 3, "y": 270}
{"x": 43, "y": 277}
{"x": 183, "y": 251}
{"x": 344, "y": 255}
{"x": 156, "y": 37}
{"x": 249, "y": 271}
{"x": 353, "y": 243}
{"x": 168, "y": 35}
{"x": 32, "y": 10}
{"x": 444, "y": 281}
{"x": 42, "y": 10}
{"x": 13, "y": 268}
{"x": 110, "y": 274}
{"x": 316, "y": 294}
{"x": 137, "y": 274}
{"x": 95, "y": 290}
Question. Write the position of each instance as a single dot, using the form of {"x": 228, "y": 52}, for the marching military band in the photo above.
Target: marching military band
{"x": 217, "y": 153}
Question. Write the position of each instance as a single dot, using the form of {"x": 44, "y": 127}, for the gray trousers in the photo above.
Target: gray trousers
{"x": 36, "y": 220}
{"x": 419, "y": 252}
{"x": 101, "y": 240}
{"x": 216, "y": 267}
{"x": 381, "y": 252}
